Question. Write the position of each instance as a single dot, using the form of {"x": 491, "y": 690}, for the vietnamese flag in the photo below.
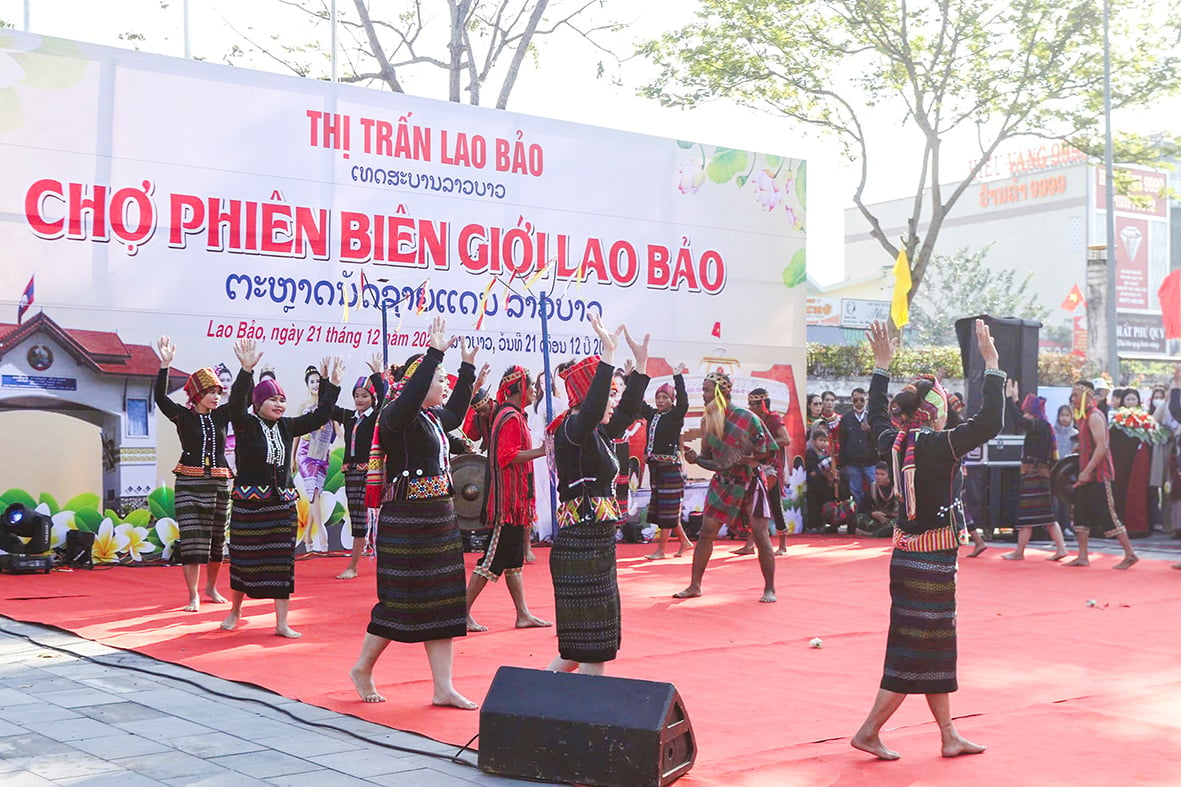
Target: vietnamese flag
{"x": 717, "y": 331}
{"x": 1170, "y": 304}
{"x": 1073, "y": 299}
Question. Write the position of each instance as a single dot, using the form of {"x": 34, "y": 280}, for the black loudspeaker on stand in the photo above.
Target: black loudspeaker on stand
{"x": 584, "y": 729}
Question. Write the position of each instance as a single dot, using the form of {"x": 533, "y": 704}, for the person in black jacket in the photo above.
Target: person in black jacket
{"x": 582, "y": 559}
{"x": 665, "y": 476}
{"x": 858, "y": 455}
{"x": 202, "y": 475}
{"x": 421, "y": 580}
{"x": 358, "y": 426}
{"x": 921, "y": 645}
{"x": 263, "y": 521}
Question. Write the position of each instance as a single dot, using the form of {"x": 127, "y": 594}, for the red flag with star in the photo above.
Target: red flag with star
{"x": 1074, "y": 299}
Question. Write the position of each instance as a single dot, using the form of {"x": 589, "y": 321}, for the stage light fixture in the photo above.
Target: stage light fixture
{"x": 25, "y": 536}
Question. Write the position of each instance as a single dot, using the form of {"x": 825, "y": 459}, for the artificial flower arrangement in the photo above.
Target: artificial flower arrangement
{"x": 1135, "y": 422}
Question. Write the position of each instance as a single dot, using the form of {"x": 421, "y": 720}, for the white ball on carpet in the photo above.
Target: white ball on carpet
{"x": 1092, "y": 602}
{"x": 816, "y": 642}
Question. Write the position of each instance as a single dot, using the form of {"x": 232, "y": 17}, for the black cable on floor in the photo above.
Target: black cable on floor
{"x": 454, "y": 758}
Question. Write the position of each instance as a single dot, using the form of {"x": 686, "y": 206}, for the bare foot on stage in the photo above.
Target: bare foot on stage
{"x": 532, "y": 622}
{"x": 348, "y": 573}
{"x": 1012, "y": 556}
{"x": 743, "y": 551}
{"x": 215, "y": 597}
{"x": 194, "y": 605}
{"x": 530, "y": 557}
{"x": 768, "y": 597}
{"x": 1126, "y": 563}
{"x": 287, "y": 631}
{"x": 454, "y": 699}
{"x": 978, "y": 550}
{"x": 1058, "y": 556}
{"x": 1078, "y": 561}
{"x": 231, "y": 622}
{"x": 780, "y": 552}
{"x": 365, "y": 686}
{"x": 472, "y": 625}
{"x": 689, "y": 592}
{"x": 874, "y": 746}
{"x": 656, "y": 556}
{"x": 1176, "y": 566}
{"x": 956, "y": 745}
{"x": 682, "y": 551}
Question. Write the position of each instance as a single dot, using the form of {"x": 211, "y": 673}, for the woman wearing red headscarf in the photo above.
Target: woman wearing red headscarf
{"x": 1038, "y": 454}
{"x": 202, "y": 475}
{"x": 582, "y": 559}
{"x": 921, "y": 646}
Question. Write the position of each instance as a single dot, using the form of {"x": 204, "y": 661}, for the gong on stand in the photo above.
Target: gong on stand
{"x": 469, "y": 478}
{"x": 1063, "y": 477}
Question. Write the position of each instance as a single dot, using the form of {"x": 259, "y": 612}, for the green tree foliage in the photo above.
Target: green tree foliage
{"x": 858, "y": 70}
{"x": 963, "y": 285}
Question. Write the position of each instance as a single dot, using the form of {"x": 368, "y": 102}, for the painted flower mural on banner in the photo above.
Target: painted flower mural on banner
{"x": 58, "y": 64}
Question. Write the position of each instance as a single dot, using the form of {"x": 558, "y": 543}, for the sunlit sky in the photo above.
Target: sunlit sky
{"x": 561, "y": 85}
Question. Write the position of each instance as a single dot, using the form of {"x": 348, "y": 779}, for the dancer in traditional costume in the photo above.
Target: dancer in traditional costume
{"x": 666, "y": 478}
{"x": 511, "y": 502}
{"x": 1038, "y": 454}
{"x": 420, "y": 572}
{"x": 358, "y": 437}
{"x": 202, "y": 474}
{"x": 734, "y": 444}
{"x": 582, "y": 559}
{"x": 1094, "y": 504}
{"x": 921, "y": 645}
{"x": 759, "y": 401}
{"x": 264, "y": 519}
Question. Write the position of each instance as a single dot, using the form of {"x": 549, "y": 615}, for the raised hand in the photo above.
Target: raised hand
{"x": 166, "y": 350}
{"x": 1011, "y": 389}
{"x": 337, "y": 370}
{"x": 375, "y": 363}
{"x": 482, "y": 376}
{"x": 881, "y": 344}
{"x": 438, "y": 334}
{"x": 629, "y": 366}
{"x": 609, "y": 340}
{"x": 467, "y": 350}
{"x": 639, "y": 349}
{"x": 987, "y": 346}
{"x": 681, "y": 369}
{"x": 247, "y": 353}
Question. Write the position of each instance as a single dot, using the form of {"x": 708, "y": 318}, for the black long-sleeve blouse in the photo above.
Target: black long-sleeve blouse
{"x": 251, "y": 440}
{"x": 664, "y": 429}
{"x": 415, "y": 440}
{"x": 938, "y": 480}
{"x": 584, "y": 457}
{"x": 358, "y": 432}
{"x": 202, "y": 437}
{"x": 1039, "y": 447}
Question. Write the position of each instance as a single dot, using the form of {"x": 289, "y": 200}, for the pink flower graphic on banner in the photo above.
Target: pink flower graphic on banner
{"x": 767, "y": 191}
{"x": 32, "y": 61}
{"x": 690, "y": 177}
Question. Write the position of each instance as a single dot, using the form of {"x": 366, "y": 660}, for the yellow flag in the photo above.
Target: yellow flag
{"x": 899, "y": 308}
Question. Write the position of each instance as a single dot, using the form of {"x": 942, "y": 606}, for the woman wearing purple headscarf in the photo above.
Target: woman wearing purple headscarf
{"x": 1040, "y": 451}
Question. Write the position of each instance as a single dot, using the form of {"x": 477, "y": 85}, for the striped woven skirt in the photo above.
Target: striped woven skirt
{"x": 586, "y": 591}
{"x": 668, "y": 490}
{"x": 921, "y": 646}
{"x": 421, "y": 580}
{"x": 202, "y": 512}
{"x": 1036, "y": 504}
{"x": 354, "y": 489}
{"x": 262, "y": 547}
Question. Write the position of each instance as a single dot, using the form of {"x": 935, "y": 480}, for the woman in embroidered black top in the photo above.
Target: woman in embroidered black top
{"x": 921, "y": 645}
{"x": 202, "y": 474}
{"x": 1039, "y": 452}
{"x": 421, "y": 580}
{"x": 665, "y": 475}
{"x": 263, "y": 521}
{"x": 358, "y": 436}
{"x": 582, "y": 559}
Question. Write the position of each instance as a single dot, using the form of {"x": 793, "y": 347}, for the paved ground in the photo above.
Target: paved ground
{"x": 74, "y": 711}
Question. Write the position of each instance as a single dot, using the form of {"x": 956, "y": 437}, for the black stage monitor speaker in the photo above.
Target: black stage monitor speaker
{"x": 584, "y": 729}
{"x": 1016, "y": 343}
{"x": 79, "y": 548}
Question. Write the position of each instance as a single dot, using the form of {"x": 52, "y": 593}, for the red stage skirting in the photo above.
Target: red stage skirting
{"x": 1062, "y": 693}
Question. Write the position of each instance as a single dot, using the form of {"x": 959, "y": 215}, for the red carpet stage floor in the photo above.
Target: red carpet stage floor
{"x": 1061, "y": 691}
